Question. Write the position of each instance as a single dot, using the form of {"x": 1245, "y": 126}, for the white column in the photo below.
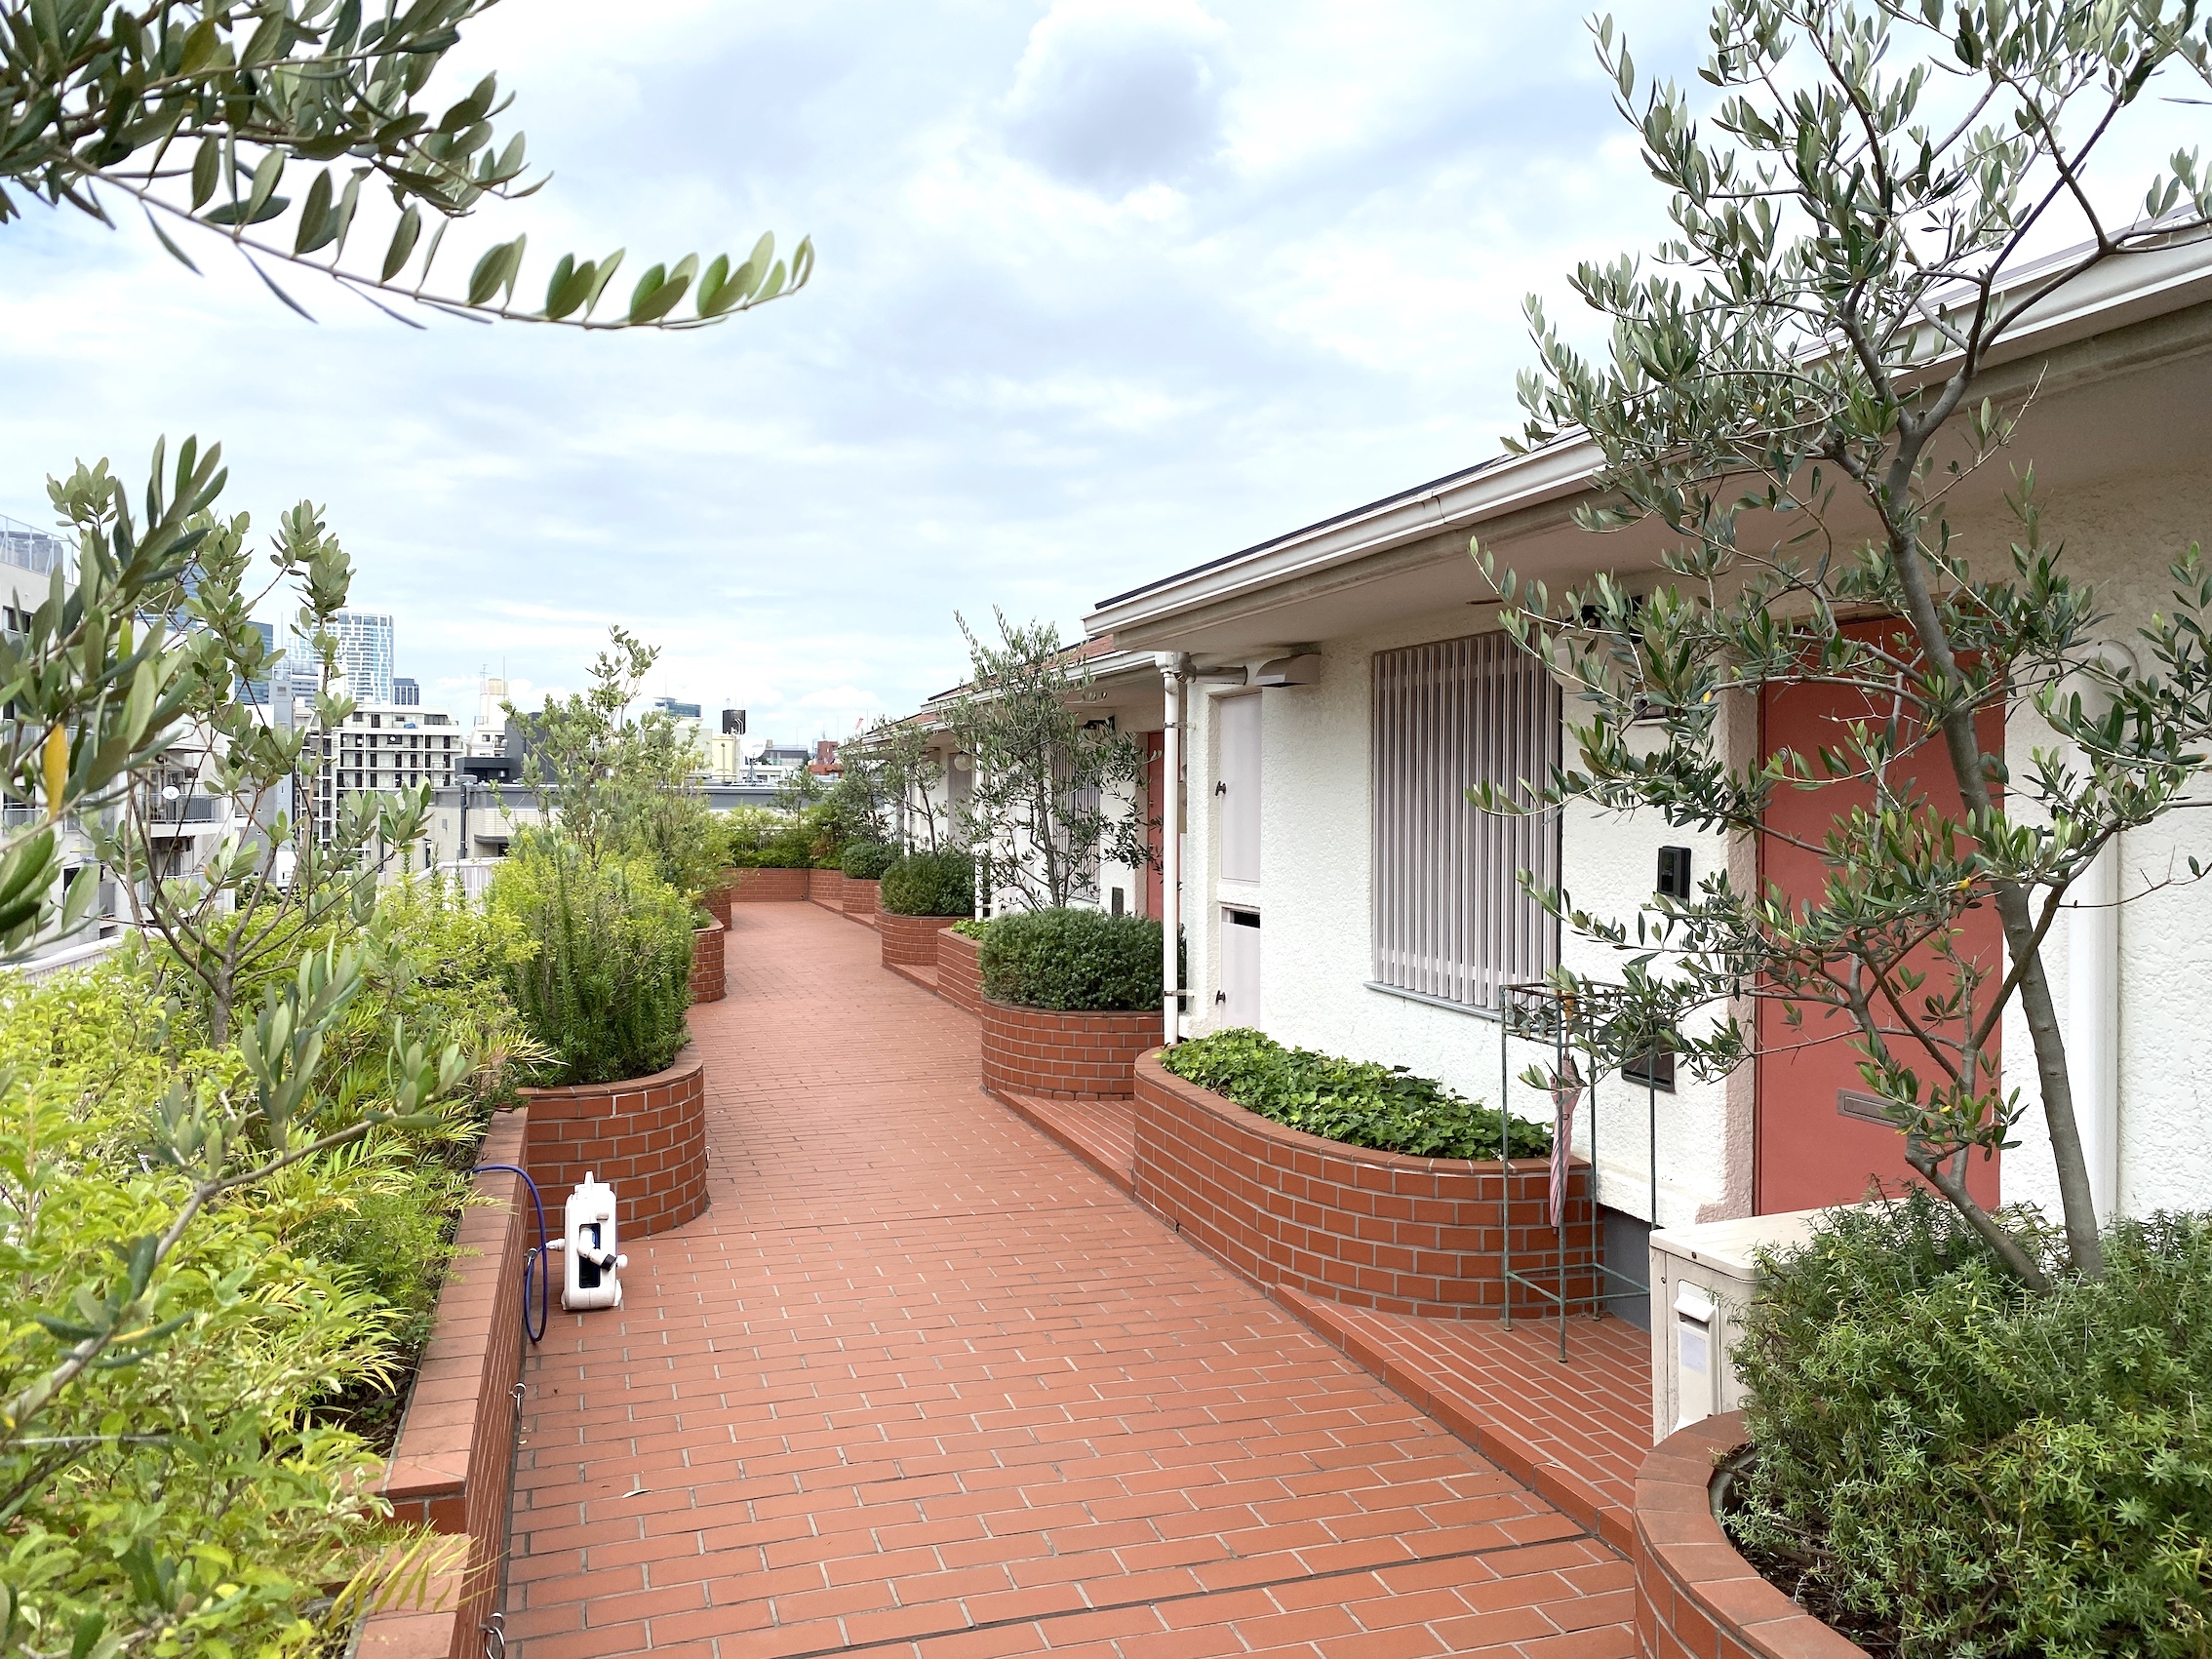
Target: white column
{"x": 2093, "y": 1015}
{"x": 1171, "y": 804}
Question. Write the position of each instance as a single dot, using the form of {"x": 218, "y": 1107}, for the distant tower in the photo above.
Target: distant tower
{"x": 364, "y": 654}
{"x": 488, "y": 738}
{"x": 406, "y": 692}
{"x": 733, "y": 723}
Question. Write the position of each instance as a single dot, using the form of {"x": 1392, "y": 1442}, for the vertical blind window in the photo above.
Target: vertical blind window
{"x": 1450, "y": 918}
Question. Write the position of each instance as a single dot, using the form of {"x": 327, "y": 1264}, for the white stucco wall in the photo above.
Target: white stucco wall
{"x": 2121, "y": 538}
{"x": 1316, "y": 864}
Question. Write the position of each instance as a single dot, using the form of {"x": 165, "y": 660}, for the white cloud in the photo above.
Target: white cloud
{"x": 1105, "y": 289}
{"x": 1116, "y": 95}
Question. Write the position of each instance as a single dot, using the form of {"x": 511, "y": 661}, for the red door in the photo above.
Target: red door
{"x": 1815, "y": 1143}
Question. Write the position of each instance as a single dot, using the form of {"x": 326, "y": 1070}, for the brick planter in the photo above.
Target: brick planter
{"x": 646, "y": 1138}
{"x": 960, "y": 972}
{"x": 860, "y": 898}
{"x": 1696, "y": 1596}
{"x": 826, "y": 888}
{"x": 452, "y": 1467}
{"x": 1370, "y": 1229}
{"x": 1063, "y": 1057}
{"x": 757, "y": 887}
{"x": 708, "y": 982}
{"x": 911, "y": 941}
{"x": 718, "y": 898}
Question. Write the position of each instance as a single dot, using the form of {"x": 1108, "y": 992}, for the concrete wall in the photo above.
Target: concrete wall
{"x": 2122, "y": 537}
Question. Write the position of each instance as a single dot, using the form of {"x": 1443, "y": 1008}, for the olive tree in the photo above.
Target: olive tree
{"x": 1039, "y": 809}
{"x": 1792, "y": 391}
{"x": 264, "y": 123}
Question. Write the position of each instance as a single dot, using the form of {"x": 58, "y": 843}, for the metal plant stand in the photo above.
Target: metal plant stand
{"x": 1535, "y": 1011}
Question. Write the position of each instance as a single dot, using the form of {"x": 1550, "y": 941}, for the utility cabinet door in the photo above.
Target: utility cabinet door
{"x": 1237, "y": 790}
{"x": 1239, "y": 1002}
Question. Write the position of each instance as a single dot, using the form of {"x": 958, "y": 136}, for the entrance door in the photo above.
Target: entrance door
{"x": 1239, "y": 998}
{"x": 1820, "y": 1137}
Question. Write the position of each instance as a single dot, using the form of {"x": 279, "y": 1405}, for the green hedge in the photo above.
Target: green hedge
{"x": 930, "y": 884}
{"x": 600, "y": 961}
{"x": 867, "y": 860}
{"x": 1357, "y": 1102}
{"x": 1979, "y": 1469}
{"x": 1072, "y": 961}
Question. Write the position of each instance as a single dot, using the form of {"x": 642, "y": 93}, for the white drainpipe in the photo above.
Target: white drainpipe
{"x": 1172, "y": 666}
{"x": 2093, "y": 978}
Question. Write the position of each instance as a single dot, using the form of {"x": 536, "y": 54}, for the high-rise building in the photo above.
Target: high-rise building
{"x": 406, "y": 692}
{"x": 682, "y": 711}
{"x": 364, "y": 655}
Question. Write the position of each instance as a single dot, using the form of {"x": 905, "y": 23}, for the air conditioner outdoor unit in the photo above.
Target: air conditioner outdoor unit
{"x": 1701, "y": 1282}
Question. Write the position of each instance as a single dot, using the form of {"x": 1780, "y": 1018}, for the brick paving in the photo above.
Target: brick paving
{"x": 921, "y": 1383}
{"x": 1577, "y": 1433}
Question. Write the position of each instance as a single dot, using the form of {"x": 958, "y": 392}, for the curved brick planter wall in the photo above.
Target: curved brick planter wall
{"x": 960, "y": 972}
{"x": 1696, "y": 1596}
{"x": 826, "y": 887}
{"x": 860, "y": 898}
{"x": 911, "y": 940}
{"x": 708, "y": 981}
{"x": 646, "y": 1138}
{"x": 1372, "y": 1229}
{"x": 1063, "y": 1057}
{"x": 755, "y": 886}
{"x": 717, "y": 898}
{"x": 454, "y": 1465}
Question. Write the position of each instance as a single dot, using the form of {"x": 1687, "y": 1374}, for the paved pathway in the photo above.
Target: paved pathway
{"x": 923, "y": 1383}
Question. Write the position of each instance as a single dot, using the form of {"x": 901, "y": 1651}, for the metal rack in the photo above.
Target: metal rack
{"x": 1540, "y": 1011}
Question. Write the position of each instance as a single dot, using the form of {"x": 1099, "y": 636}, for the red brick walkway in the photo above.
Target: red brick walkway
{"x": 921, "y": 1382}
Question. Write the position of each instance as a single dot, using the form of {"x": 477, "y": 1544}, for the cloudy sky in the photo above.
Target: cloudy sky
{"x": 1105, "y": 288}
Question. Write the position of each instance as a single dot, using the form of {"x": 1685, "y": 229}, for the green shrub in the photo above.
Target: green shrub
{"x": 976, "y": 928}
{"x": 756, "y": 838}
{"x": 1982, "y": 1469}
{"x": 867, "y": 860}
{"x": 600, "y": 965}
{"x": 930, "y": 884}
{"x": 1071, "y": 959}
{"x": 1357, "y": 1102}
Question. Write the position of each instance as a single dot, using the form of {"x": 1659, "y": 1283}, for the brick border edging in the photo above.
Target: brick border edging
{"x": 859, "y": 900}
{"x": 644, "y": 1136}
{"x": 960, "y": 972}
{"x": 1380, "y": 1230}
{"x": 1696, "y": 1596}
{"x": 1555, "y": 1484}
{"x": 1058, "y": 1132}
{"x": 709, "y": 980}
{"x": 1063, "y": 1054}
{"x": 911, "y": 940}
{"x": 452, "y": 1467}
{"x": 767, "y": 884}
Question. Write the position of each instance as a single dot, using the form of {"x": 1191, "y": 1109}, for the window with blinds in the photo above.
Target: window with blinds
{"x": 1450, "y": 918}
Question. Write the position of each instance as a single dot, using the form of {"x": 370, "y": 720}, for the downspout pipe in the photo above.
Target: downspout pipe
{"x": 2093, "y": 983}
{"x": 2093, "y": 988}
{"x": 1173, "y": 667}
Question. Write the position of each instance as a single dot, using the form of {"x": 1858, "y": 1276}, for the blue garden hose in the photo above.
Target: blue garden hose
{"x": 536, "y": 1262}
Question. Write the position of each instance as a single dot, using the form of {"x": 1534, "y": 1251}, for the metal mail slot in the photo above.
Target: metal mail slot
{"x": 1867, "y": 1108}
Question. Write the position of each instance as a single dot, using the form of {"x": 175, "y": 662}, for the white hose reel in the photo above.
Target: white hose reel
{"x": 591, "y": 1271}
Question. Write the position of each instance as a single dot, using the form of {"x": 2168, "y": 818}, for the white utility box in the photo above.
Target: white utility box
{"x": 1701, "y": 1282}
